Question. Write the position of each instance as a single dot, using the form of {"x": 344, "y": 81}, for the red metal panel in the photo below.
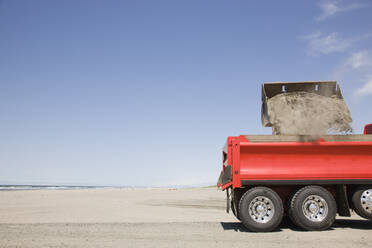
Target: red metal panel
{"x": 305, "y": 161}
{"x": 225, "y": 186}
{"x": 235, "y": 147}
{"x": 368, "y": 129}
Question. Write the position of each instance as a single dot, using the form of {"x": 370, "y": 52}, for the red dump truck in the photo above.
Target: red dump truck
{"x": 310, "y": 179}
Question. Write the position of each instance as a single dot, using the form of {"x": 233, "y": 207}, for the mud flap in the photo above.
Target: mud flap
{"x": 227, "y": 201}
{"x": 343, "y": 207}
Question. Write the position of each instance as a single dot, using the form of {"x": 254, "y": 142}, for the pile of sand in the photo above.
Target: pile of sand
{"x": 304, "y": 113}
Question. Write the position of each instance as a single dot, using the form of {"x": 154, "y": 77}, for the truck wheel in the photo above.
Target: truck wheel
{"x": 362, "y": 200}
{"x": 313, "y": 208}
{"x": 260, "y": 209}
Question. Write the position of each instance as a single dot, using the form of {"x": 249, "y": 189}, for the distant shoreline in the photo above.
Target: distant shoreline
{"x": 49, "y": 187}
{"x": 75, "y": 187}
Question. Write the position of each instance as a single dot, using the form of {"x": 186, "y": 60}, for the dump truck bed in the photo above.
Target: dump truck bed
{"x": 292, "y": 159}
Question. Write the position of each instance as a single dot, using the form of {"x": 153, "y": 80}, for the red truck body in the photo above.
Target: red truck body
{"x": 261, "y": 169}
{"x": 286, "y": 160}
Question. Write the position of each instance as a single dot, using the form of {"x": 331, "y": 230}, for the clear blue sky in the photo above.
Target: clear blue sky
{"x": 146, "y": 92}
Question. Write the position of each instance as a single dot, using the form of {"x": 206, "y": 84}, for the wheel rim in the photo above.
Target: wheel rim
{"x": 315, "y": 208}
{"x": 366, "y": 200}
{"x": 261, "y": 209}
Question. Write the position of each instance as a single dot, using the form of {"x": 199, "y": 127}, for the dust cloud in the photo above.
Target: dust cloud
{"x": 304, "y": 113}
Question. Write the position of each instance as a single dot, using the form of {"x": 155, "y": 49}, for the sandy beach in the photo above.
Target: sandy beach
{"x": 149, "y": 218}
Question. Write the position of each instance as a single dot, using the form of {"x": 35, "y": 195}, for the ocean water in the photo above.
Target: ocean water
{"x": 13, "y": 187}
{"x": 48, "y": 187}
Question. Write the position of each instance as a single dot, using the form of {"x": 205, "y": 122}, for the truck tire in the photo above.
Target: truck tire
{"x": 313, "y": 208}
{"x": 260, "y": 209}
{"x": 362, "y": 201}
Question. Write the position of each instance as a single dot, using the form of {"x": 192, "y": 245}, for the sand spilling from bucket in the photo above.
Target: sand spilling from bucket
{"x": 304, "y": 113}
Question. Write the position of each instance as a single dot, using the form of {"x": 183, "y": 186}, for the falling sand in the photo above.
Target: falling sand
{"x": 304, "y": 113}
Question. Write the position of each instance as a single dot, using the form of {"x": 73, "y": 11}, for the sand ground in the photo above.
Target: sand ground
{"x": 150, "y": 218}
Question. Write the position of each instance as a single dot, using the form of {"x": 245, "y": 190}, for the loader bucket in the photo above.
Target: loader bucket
{"x": 269, "y": 90}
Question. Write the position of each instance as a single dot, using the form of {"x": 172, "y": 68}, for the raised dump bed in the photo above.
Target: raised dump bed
{"x": 304, "y": 108}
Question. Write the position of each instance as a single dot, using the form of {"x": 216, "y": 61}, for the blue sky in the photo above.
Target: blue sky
{"x": 146, "y": 92}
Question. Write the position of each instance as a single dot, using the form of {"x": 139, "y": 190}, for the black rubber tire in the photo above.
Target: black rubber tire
{"x": 248, "y": 221}
{"x": 356, "y": 199}
{"x": 297, "y": 216}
